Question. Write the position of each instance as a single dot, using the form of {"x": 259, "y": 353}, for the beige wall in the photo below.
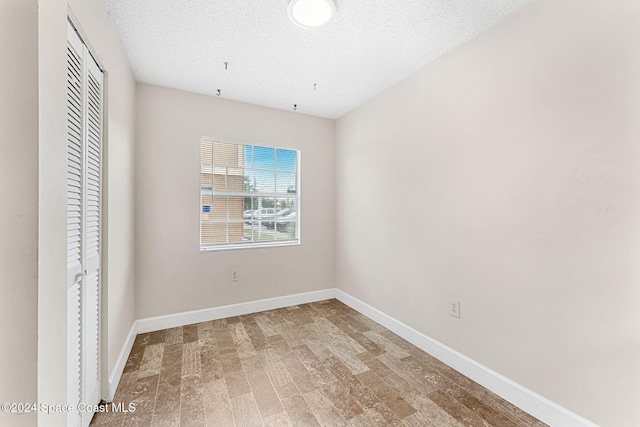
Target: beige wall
{"x": 172, "y": 275}
{"x": 52, "y": 212}
{"x": 514, "y": 163}
{"x": 19, "y": 206}
{"x": 118, "y": 294}
{"x": 512, "y": 183}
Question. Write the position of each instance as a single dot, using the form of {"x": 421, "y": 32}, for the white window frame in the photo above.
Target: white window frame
{"x": 250, "y": 244}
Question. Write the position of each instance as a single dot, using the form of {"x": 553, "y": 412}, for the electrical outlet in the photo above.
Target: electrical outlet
{"x": 454, "y": 308}
{"x": 235, "y": 276}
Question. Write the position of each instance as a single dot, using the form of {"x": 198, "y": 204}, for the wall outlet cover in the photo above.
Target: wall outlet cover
{"x": 454, "y": 308}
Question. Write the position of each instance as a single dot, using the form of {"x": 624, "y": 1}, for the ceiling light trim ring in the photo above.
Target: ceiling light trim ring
{"x": 311, "y": 13}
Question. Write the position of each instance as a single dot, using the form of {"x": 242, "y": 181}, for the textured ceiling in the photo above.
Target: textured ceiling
{"x": 370, "y": 45}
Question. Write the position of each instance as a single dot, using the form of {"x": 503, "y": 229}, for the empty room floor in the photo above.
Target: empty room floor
{"x": 318, "y": 364}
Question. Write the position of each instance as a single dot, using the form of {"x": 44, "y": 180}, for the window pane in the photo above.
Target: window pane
{"x": 263, "y": 181}
{"x": 205, "y": 207}
{"x": 248, "y": 206}
{"x": 264, "y": 157}
{"x": 206, "y": 168}
{"x": 257, "y": 204}
{"x": 219, "y": 180}
{"x": 268, "y": 202}
{"x": 263, "y": 234}
{"x": 286, "y": 230}
{"x": 286, "y": 182}
{"x": 235, "y": 179}
{"x": 206, "y": 152}
{"x": 235, "y": 232}
{"x": 228, "y": 154}
{"x": 236, "y": 208}
{"x": 247, "y": 151}
{"x": 286, "y": 160}
{"x": 219, "y": 208}
{"x": 206, "y": 181}
{"x": 213, "y": 233}
{"x": 286, "y": 205}
{"x": 247, "y": 231}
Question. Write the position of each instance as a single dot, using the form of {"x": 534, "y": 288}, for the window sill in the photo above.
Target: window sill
{"x": 247, "y": 246}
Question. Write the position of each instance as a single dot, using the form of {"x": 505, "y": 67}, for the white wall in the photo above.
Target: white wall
{"x": 118, "y": 294}
{"x": 172, "y": 275}
{"x": 507, "y": 175}
{"x": 18, "y": 205}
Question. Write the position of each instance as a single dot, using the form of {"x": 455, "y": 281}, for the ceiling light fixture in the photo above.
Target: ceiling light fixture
{"x": 311, "y": 13}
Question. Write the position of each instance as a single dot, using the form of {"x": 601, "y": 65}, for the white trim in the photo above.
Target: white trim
{"x": 121, "y": 361}
{"x": 525, "y": 399}
{"x": 187, "y": 318}
{"x": 252, "y": 245}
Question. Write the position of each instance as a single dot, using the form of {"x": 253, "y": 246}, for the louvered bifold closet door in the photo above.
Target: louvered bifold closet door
{"x": 75, "y": 196}
{"x": 91, "y": 288}
{"x": 84, "y": 159}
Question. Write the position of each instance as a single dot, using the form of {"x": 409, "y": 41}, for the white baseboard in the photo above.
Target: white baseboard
{"x": 121, "y": 361}
{"x": 187, "y": 318}
{"x": 525, "y": 399}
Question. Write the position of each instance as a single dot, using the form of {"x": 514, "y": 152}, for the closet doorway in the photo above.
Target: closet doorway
{"x": 84, "y": 224}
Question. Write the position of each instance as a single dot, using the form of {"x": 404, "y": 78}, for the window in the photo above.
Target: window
{"x": 249, "y": 195}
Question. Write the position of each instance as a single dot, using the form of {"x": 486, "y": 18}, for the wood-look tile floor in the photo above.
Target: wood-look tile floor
{"x": 318, "y": 364}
